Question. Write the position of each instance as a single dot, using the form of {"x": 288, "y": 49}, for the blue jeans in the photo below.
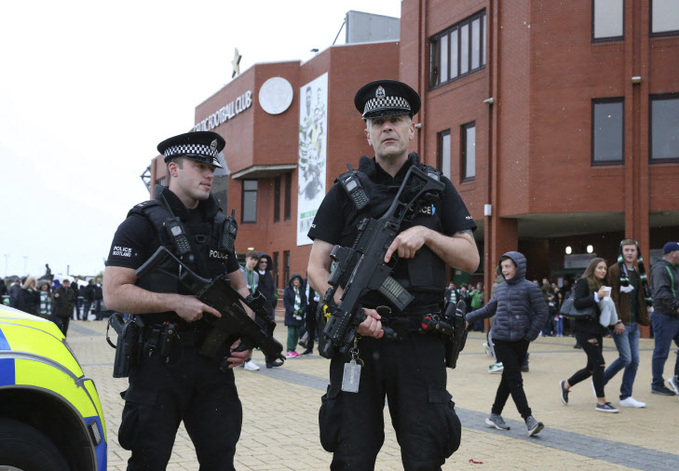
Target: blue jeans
{"x": 665, "y": 329}
{"x": 627, "y": 344}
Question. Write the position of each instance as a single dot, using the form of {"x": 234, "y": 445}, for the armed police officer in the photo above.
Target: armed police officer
{"x": 175, "y": 384}
{"x": 409, "y": 368}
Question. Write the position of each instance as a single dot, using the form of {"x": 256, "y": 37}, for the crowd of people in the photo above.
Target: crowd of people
{"x": 617, "y": 298}
{"x": 54, "y": 299}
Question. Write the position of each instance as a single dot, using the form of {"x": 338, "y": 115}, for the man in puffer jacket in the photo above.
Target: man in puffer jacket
{"x": 520, "y": 312}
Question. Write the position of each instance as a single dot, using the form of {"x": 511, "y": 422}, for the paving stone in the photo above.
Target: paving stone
{"x": 280, "y": 410}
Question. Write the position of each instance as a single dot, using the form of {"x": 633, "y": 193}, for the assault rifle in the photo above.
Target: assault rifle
{"x": 361, "y": 269}
{"x": 218, "y": 293}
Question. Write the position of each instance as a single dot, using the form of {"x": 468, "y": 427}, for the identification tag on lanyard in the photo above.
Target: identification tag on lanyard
{"x": 352, "y": 376}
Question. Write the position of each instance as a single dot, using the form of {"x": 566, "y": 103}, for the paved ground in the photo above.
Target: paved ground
{"x": 280, "y": 430}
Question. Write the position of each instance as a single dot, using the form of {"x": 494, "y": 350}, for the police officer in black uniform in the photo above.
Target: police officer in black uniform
{"x": 410, "y": 371}
{"x": 170, "y": 385}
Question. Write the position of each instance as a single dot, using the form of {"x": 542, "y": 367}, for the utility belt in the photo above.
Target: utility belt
{"x": 137, "y": 340}
{"x": 449, "y": 325}
{"x": 410, "y": 320}
{"x": 161, "y": 337}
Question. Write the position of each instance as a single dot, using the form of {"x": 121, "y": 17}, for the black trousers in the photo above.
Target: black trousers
{"x": 511, "y": 355}
{"x": 412, "y": 375}
{"x": 593, "y": 347}
{"x": 311, "y": 324}
{"x": 189, "y": 388}
{"x": 62, "y": 323}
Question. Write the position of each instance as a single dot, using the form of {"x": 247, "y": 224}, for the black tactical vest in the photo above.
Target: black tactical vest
{"x": 425, "y": 273}
{"x": 206, "y": 259}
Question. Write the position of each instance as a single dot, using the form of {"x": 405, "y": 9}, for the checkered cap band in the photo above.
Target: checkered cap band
{"x": 192, "y": 149}
{"x": 386, "y": 103}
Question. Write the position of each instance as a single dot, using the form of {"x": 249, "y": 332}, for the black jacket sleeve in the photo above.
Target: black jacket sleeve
{"x": 582, "y": 298}
{"x": 664, "y": 285}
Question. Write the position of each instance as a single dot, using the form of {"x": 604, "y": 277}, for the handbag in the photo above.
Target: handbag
{"x": 569, "y": 310}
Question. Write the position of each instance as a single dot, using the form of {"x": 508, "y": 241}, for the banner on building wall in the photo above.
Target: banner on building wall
{"x": 313, "y": 140}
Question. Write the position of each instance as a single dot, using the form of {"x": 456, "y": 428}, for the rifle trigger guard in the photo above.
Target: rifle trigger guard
{"x": 383, "y": 310}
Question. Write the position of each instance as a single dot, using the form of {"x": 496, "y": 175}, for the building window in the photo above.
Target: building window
{"x": 286, "y": 267}
{"x": 444, "y": 57}
{"x": 288, "y": 196}
{"x": 664, "y": 132}
{"x": 277, "y": 199}
{"x": 443, "y": 139}
{"x": 608, "y": 20}
{"x": 458, "y": 51}
{"x": 607, "y": 131}
{"x": 249, "y": 201}
{"x": 468, "y": 153}
{"x": 664, "y": 17}
{"x": 275, "y": 269}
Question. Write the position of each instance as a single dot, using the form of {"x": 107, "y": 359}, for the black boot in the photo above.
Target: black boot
{"x": 272, "y": 363}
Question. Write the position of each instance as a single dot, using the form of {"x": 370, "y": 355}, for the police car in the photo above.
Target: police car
{"x": 50, "y": 414}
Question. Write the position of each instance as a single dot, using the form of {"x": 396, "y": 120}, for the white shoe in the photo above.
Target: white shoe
{"x": 251, "y": 366}
{"x": 495, "y": 368}
{"x": 631, "y": 402}
{"x": 674, "y": 383}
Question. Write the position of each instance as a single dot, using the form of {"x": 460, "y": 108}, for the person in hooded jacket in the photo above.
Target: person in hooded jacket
{"x": 520, "y": 312}
{"x": 295, "y": 302}
{"x": 268, "y": 290}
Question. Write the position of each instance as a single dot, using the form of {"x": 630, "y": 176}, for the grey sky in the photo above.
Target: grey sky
{"x": 88, "y": 88}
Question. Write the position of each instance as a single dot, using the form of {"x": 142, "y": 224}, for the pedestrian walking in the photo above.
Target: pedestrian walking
{"x": 591, "y": 293}
{"x": 665, "y": 318}
{"x": 520, "y": 312}
{"x": 631, "y": 295}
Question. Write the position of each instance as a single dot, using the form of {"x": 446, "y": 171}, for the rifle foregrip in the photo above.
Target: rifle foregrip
{"x": 213, "y": 343}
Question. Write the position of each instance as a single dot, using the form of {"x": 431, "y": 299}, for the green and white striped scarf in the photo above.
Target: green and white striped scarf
{"x": 624, "y": 276}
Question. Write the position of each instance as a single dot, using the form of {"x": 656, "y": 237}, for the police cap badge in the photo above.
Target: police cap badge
{"x": 386, "y": 98}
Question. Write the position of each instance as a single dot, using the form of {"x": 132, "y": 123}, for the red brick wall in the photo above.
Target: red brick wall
{"x": 533, "y": 147}
{"x": 257, "y": 138}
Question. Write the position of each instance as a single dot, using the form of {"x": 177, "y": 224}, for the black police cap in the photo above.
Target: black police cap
{"x": 201, "y": 146}
{"x": 386, "y": 98}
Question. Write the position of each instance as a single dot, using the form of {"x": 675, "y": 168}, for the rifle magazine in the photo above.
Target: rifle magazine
{"x": 395, "y": 293}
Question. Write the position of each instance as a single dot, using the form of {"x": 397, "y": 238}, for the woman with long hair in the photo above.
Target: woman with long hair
{"x": 590, "y": 292}
{"x": 29, "y": 297}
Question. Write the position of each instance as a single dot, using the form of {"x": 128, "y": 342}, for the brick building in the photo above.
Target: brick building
{"x": 558, "y": 122}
